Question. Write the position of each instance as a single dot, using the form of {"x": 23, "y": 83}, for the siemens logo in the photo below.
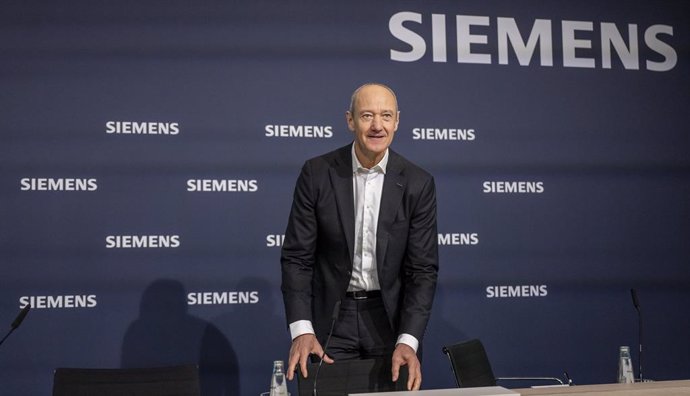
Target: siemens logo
{"x": 473, "y": 34}
{"x": 299, "y": 131}
{"x": 458, "y": 239}
{"x": 51, "y": 302}
{"x": 142, "y": 128}
{"x": 142, "y": 241}
{"x": 275, "y": 240}
{"x": 58, "y": 184}
{"x": 519, "y": 187}
{"x": 223, "y": 298}
{"x": 443, "y": 134}
{"x": 516, "y": 291}
{"x": 222, "y": 185}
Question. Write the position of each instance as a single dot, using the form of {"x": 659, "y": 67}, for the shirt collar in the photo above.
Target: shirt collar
{"x": 381, "y": 166}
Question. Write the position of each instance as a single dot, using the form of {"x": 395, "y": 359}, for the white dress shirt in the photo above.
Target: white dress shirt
{"x": 367, "y": 186}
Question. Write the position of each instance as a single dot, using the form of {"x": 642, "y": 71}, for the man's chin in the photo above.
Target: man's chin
{"x": 377, "y": 147}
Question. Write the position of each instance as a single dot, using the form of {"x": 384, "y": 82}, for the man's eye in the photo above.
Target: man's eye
{"x": 366, "y": 116}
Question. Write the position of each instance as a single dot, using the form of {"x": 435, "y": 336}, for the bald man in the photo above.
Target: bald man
{"x": 362, "y": 231}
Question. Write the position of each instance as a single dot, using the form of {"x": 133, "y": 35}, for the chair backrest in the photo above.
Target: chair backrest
{"x": 470, "y": 364}
{"x": 351, "y": 376}
{"x": 158, "y": 381}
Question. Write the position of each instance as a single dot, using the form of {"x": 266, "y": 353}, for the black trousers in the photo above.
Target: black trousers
{"x": 362, "y": 330}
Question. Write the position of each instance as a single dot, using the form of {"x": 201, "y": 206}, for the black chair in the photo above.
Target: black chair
{"x": 472, "y": 368}
{"x": 158, "y": 381}
{"x": 351, "y": 376}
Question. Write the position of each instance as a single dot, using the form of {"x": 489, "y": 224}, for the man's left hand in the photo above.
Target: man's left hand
{"x": 404, "y": 355}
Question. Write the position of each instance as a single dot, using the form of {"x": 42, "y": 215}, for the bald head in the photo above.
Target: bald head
{"x": 355, "y": 95}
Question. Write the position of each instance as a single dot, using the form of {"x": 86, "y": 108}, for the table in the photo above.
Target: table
{"x": 661, "y": 388}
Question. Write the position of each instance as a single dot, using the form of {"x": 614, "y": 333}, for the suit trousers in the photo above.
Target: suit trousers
{"x": 362, "y": 330}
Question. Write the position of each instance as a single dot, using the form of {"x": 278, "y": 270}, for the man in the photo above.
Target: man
{"x": 362, "y": 230}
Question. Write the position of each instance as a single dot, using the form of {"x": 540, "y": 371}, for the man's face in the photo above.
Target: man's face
{"x": 374, "y": 120}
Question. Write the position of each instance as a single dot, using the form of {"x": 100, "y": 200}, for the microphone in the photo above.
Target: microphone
{"x": 17, "y": 321}
{"x": 334, "y": 317}
{"x": 636, "y": 303}
{"x": 568, "y": 379}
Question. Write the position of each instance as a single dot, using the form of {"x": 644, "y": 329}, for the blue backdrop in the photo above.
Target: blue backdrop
{"x": 148, "y": 152}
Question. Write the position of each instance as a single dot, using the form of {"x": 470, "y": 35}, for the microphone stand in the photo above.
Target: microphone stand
{"x": 17, "y": 321}
{"x": 636, "y": 303}
{"x": 336, "y": 310}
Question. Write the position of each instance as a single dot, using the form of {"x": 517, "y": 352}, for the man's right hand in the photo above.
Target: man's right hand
{"x": 301, "y": 348}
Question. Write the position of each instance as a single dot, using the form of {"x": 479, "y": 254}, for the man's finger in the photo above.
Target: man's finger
{"x": 418, "y": 380}
{"x": 292, "y": 362}
{"x": 395, "y": 370}
{"x": 303, "y": 364}
{"x": 414, "y": 381}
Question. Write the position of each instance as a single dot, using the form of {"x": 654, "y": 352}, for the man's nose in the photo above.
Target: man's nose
{"x": 376, "y": 123}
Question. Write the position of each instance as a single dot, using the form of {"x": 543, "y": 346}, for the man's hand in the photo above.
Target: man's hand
{"x": 404, "y": 355}
{"x": 301, "y": 348}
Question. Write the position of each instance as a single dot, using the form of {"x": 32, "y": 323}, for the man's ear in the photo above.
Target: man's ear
{"x": 350, "y": 121}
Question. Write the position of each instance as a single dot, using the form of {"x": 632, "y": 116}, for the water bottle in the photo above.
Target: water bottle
{"x": 278, "y": 384}
{"x": 625, "y": 371}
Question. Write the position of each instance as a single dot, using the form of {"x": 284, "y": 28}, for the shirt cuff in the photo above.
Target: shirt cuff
{"x": 409, "y": 340}
{"x": 301, "y": 327}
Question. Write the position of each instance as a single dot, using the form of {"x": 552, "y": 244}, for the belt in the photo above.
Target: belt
{"x": 363, "y": 294}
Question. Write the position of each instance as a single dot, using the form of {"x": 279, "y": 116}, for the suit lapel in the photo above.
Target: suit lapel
{"x": 394, "y": 185}
{"x": 341, "y": 181}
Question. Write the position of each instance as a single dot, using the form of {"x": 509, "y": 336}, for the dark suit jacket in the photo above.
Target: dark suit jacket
{"x": 319, "y": 242}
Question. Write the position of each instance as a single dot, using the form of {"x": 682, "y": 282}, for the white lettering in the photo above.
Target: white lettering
{"x": 541, "y": 32}
{"x": 142, "y": 241}
{"x": 570, "y": 44}
{"x": 661, "y": 48}
{"x": 443, "y": 134}
{"x": 577, "y": 50}
{"x": 395, "y": 25}
{"x": 274, "y": 240}
{"x": 142, "y": 128}
{"x": 516, "y": 291}
{"x": 222, "y": 185}
{"x": 223, "y": 298}
{"x": 58, "y": 184}
{"x": 610, "y": 36}
{"x": 466, "y": 39}
{"x": 299, "y": 131}
{"x": 65, "y": 301}
{"x": 458, "y": 239}
{"x": 521, "y": 187}
{"x": 438, "y": 37}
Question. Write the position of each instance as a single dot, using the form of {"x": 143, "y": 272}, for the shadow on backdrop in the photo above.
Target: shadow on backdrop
{"x": 165, "y": 334}
{"x": 261, "y": 337}
{"x": 442, "y": 330}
